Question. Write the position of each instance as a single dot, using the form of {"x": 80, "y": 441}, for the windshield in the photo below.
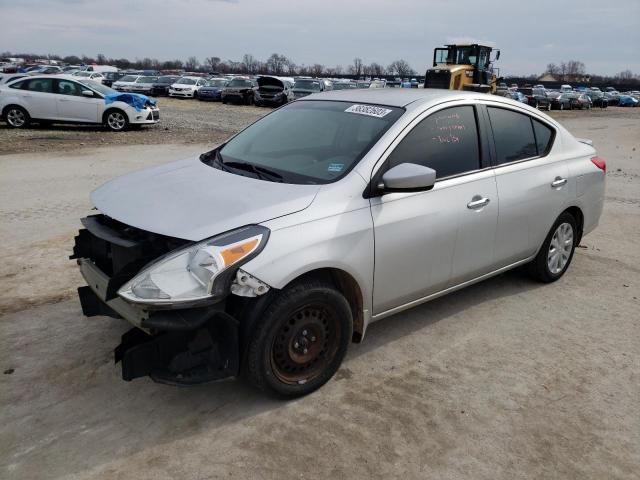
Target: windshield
{"x": 310, "y": 142}
{"x": 83, "y": 74}
{"x": 239, "y": 83}
{"x": 341, "y": 86}
{"x": 98, "y": 87}
{"x": 166, "y": 80}
{"x": 307, "y": 85}
{"x": 186, "y": 81}
{"x": 215, "y": 83}
{"x": 128, "y": 78}
{"x": 146, "y": 79}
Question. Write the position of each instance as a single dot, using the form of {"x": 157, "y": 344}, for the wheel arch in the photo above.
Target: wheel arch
{"x": 111, "y": 109}
{"x": 8, "y": 106}
{"x": 349, "y": 287}
{"x": 576, "y": 212}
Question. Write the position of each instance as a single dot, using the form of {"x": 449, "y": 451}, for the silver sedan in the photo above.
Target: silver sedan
{"x": 275, "y": 250}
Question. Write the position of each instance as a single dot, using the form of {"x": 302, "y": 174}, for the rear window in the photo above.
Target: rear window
{"x": 514, "y": 135}
{"x": 544, "y": 136}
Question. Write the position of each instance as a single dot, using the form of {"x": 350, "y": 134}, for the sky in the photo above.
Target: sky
{"x": 604, "y": 35}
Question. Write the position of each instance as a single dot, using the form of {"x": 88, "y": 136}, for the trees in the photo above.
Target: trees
{"x": 276, "y": 64}
{"x": 376, "y": 70}
{"x": 357, "y": 67}
{"x": 250, "y": 63}
{"x": 191, "y": 64}
{"x": 212, "y": 63}
{"x": 401, "y": 68}
{"x": 316, "y": 70}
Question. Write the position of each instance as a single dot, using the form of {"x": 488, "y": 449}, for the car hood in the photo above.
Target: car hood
{"x": 193, "y": 201}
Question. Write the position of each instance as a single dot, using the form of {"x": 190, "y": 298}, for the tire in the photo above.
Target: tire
{"x": 195, "y": 95}
{"x": 549, "y": 107}
{"x": 17, "y": 117}
{"x": 537, "y": 104}
{"x": 300, "y": 340}
{"x": 249, "y": 100}
{"x": 116, "y": 120}
{"x": 224, "y": 101}
{"x": 563, "y": 232}
{"x": 561, "y": 106}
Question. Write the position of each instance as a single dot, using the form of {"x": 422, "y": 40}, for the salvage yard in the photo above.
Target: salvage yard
{"x": 505, "y": 379}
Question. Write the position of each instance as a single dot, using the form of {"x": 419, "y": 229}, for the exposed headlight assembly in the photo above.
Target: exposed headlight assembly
{"x": 198, "y": 273}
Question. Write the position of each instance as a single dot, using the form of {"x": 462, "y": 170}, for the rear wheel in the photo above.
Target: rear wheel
{"x": 300, "y": 340}
{"x": 17, "y": 117}
{"x": 556, "y": 252}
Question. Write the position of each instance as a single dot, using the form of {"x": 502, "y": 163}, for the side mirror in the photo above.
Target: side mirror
{"x": 408, "y": 177}
{"x": 87, "y": 93}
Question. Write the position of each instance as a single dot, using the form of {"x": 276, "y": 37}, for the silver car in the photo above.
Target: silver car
{"x": 269, "y": 254}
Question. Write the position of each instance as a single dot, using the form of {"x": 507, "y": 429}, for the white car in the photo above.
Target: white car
{"x": 69, "y": 99}
{"x": 95, "y": 76}
{"x": 143, "y": 84}
{"x": 125, "y": 82}
{"x": 187, "y": 87}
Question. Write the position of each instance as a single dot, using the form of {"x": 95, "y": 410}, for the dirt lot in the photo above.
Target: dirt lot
{"x": 506, "y": 379}
{"x": 182, "y": 121}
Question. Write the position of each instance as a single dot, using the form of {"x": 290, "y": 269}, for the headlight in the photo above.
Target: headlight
{"x": 197, "y": 273}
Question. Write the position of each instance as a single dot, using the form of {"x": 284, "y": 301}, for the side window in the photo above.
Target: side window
{"x": 43, "y": 85}
{"x": 19, "y": 85}
{"x": 543, "y": 136}
{"x": 513, "y": 135}
{"x": 65, "y": 87}
{"x": 446, "y": 141}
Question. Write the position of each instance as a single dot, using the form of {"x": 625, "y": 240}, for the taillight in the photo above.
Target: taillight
{"x": 600, "y": 163}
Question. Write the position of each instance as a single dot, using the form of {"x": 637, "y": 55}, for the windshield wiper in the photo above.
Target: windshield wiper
{"x": 261, "y": 172}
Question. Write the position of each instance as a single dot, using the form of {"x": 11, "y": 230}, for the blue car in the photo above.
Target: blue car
{"x": 212, "y": 89}
{"x": 628, "y": 101}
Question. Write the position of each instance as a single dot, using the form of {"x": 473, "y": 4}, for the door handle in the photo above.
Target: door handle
{"x": 477, "y": 202}
{"x": 558, "y": 182}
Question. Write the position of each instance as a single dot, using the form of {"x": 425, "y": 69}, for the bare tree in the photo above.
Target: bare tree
{"x": 212, "y": 63}
{"x": 575, "y": 70}
{"x": 276, "y": 63}
{"x": 553, "y": 69}
{"x": 191, "y": 63}
{"x": 250, "y": 63}
{"x": 316, "y": 70}
{"x": 400, "y": 68}
{"x": 101, "y": 59}
{"x": 625, "y": 75}
{"x": 356, "y": 68}
{"x": 376, "y": 70}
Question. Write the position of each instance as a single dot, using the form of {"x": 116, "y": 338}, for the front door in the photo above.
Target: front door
{"x": 428, "y": 241}
{"x": 73, "y": 106}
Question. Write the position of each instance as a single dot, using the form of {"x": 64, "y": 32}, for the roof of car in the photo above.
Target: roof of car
{"x": 393, "y": 97}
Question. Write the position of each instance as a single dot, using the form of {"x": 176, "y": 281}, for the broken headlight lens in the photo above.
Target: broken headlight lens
{"x": 196, "y": 273}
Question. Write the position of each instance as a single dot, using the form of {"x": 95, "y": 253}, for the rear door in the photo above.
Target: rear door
{"x": 532, "y": 182}
{"x": 37, "y": 97}
{"x": 72, "y": 105}
{"x": 427, "y": 241}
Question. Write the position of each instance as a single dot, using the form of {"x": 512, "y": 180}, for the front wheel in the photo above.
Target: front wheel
{"x": 549, "y": 107}
{"x": 556, "y": 252}
{"x": 17, "y": 117}
{"x": 300, "y": 340}
{"x": 116, "y": 120}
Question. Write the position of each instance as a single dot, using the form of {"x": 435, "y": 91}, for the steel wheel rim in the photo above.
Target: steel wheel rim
{"x": 16, "y": 118}
{"x": 305, "y": 344}
{"x": 560, "y": 248}
{"x": 116, "y": 121}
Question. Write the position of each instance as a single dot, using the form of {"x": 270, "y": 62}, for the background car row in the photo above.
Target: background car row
{"x": 568, "y": 98}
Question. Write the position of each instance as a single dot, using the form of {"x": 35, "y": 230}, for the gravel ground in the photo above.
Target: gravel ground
{"x": 182, "y": 121}
{"x": 505, "y": 379}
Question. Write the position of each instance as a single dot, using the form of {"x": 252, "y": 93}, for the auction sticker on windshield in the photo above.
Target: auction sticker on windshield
{"x": 369, "y": 110}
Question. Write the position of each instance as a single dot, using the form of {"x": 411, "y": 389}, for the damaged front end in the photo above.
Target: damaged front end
{"x": 184, "y": 340}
